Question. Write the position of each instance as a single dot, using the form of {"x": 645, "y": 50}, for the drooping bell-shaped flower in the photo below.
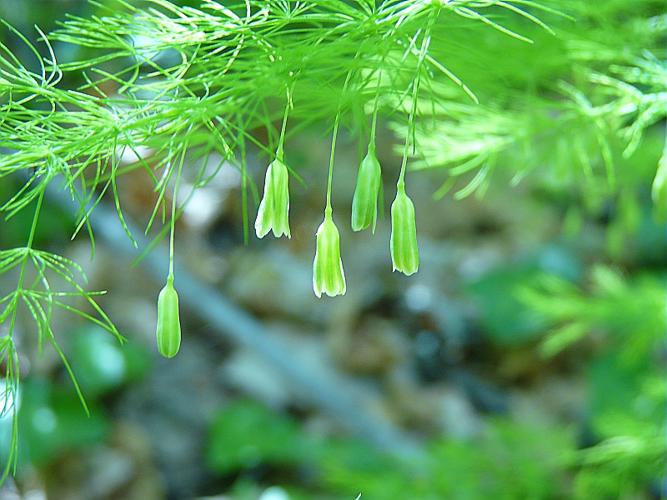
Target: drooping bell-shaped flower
{"x": 328, "y": 275}
{"x": 404, "y": 251}
{"x": 168, "y": 332}
{"x": 365, "y": 200}
{"x": 273, "y": 213}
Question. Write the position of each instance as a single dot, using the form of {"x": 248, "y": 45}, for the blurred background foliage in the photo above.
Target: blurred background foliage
{"x": 527, "y": 358}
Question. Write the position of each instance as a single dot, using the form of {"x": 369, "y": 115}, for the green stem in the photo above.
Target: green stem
{"x": 281, "y": 141}
{"x": 170, "y": 276}
{"x": 22, "y": 269}
{"x": 376, "y": 103}
{"x": 331, "y": 160}
{"x": 411, "y": 119}
{"x": 24, "y": 262}
{"x": 13, "y": 370}
{"x": 415, "y": 90}
{"x": 31, "y": 238}
{"x": 371, "y": 142}
{"x": 333, "y": 139}
{"x": 244, "y": 183}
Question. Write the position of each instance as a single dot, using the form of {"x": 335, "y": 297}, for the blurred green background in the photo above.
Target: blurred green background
{"x": 526, "y": 359}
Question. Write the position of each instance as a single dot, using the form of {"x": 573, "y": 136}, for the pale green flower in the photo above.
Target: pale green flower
{"x": 273, "y": 213}
{"x": 328, "y": 275}
{"x": 168, "y": 332}
{"x": 365, "y": 200}
{"x": 404, "y": 251}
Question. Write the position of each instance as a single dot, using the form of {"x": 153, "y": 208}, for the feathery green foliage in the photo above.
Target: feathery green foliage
{"x": 627, "y": 413}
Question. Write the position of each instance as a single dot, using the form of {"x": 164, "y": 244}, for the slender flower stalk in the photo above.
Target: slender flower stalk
{"x": 328, "y": 274}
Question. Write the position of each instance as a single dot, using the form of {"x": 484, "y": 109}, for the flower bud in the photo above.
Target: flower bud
{"x": 365, "y": 200}
{"x": 168, "y": 324}
{"x": 273, "y": 213}
{"x": 404, "y": 251}
{"x": 328, "y": 275}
